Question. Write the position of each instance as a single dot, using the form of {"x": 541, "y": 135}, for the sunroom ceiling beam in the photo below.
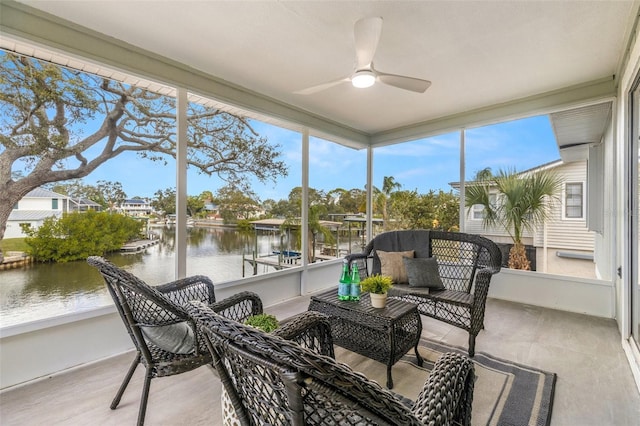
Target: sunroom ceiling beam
{"x": 545, "y": 103}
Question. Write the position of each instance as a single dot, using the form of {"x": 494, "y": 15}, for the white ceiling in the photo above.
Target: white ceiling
{"x": 475, "y": 53}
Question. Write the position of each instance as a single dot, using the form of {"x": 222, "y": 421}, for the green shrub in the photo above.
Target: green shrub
{"x": 244, "y": 225}
{"x": 264, "y": 322}
{"x": 76, "y": 236}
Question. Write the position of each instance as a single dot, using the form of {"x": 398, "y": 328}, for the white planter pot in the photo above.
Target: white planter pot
{"x": 378, "y": 300}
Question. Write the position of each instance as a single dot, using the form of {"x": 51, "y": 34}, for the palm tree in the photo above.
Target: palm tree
{"x": 523, "y": 201}
{"x": 388, "y": 185}
{"x": 315, "y": 227}
{"x": 484, "y": 174}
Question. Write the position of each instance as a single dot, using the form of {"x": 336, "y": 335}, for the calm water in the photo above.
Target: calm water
{"x": 46, "y": 290}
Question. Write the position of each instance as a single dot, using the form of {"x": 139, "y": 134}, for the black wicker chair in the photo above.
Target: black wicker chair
{"x": 466, "y": 263}
{"x": 270, "y": 380}
{"x": 165, "y": 337}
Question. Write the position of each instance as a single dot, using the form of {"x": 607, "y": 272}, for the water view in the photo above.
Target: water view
{"x": 46, "y": 290}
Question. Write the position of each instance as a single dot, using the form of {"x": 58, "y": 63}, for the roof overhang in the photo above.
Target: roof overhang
{"x": 580, "y": 128}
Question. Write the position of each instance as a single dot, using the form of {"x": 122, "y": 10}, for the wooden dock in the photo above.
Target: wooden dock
{"x": 276, "y": 261}
{"x": 135, "y": 246}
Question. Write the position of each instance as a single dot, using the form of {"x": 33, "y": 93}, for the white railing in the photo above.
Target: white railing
{"x": 41, "y": 348}
{"x": 565, "y": 293}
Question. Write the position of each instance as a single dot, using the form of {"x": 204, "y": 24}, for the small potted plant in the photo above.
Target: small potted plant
{"x": 264, "y": 322}
{"x": 377, "y": 286}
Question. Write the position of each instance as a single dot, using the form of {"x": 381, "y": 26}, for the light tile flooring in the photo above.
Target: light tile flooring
{"x": 594, "y": 387}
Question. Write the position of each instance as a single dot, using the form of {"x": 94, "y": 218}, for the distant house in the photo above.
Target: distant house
{"x": 213, "y": 211}
{"x": 563, "y": 244}
{"x": 136, "y": 207}
{"x": 33, "y": 209}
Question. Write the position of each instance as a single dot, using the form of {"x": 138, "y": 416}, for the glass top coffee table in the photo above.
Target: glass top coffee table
{"x": 382, "y": 334}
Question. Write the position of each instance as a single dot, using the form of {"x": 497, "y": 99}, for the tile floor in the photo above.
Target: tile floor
{"x": 594, "y": 387}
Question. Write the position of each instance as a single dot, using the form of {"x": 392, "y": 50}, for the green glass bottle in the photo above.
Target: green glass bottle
{"x": 344, "y": 285}
{"x": 355, "y": 282}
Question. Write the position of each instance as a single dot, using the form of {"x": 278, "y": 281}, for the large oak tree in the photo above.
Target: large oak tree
{"x": 58, "y": 124}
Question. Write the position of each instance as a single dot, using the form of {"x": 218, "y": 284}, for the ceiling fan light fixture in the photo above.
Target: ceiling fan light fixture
{"x": 366, "y": 34}
{"x": 363, "y": 79}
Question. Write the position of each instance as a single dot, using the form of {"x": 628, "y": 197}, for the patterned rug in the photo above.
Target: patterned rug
{"x": 505, "y": 393}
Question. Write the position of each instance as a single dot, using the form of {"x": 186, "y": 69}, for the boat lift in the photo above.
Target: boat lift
{"x": 284, "y": 257}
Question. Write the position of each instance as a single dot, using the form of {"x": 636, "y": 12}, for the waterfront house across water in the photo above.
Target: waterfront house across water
{"x": 34, "y": 208}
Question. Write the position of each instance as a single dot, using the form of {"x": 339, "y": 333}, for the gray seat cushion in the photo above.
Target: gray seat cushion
{"x": 176, "y": 338}
{"x": 431, "y": 295}
{"x": 423, "y": 272}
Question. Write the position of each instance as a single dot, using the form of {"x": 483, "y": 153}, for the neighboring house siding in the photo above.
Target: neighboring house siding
{"x": 561, "y": 233}
{"x": 569, "y": 244}
{"x": 498, "y": 234}
{"x": 568, "y": 233}
{"x": 29, "y": 203}
{"x": 474, "y": 225}
{"x": 34, "y": 218}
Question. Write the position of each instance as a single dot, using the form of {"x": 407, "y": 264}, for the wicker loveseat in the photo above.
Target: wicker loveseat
{"x": 275, "y": 381}
{"x": 465, "y": 265}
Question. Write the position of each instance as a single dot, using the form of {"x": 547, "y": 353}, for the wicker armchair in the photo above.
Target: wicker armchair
{"x": 165, "y": 337}
{"x": 466, "y": 263}
{"x": 271, "y": 380}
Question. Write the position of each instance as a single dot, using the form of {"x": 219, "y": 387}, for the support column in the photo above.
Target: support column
{"x": 304, "y": 214}
{"x": 369, "y": 226}
{"x": 181, "y": 184}
{"x": 463, "y": 215}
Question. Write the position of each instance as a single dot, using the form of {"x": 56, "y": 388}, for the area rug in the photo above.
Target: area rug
{"x": 505, "y": 393}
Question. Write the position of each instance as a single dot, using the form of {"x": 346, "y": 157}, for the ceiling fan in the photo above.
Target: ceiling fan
{"x": 367, "y": 33}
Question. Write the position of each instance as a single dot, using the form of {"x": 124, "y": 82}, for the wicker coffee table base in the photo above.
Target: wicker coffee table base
{"x": 384, "y": 335}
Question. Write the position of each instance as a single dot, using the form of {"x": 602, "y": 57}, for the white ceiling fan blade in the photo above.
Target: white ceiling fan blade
{"x": 320, "y": 87}
{"x": 403, "y": 82}
{"x": 367, "y": 33}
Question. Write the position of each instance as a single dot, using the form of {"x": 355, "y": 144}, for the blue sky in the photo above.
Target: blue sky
{"x": 422, "y": 165}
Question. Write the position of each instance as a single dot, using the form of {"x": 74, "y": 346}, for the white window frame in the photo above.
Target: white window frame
{"x": 583, "y": 202}
{"x": 477, "y": 211}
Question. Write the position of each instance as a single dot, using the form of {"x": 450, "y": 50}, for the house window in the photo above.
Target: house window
{"x": 54, "y": 204}
{"x": 477, "y": 213}
{"x": 15, "y": 206}
{"x": 574, "y": 200}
